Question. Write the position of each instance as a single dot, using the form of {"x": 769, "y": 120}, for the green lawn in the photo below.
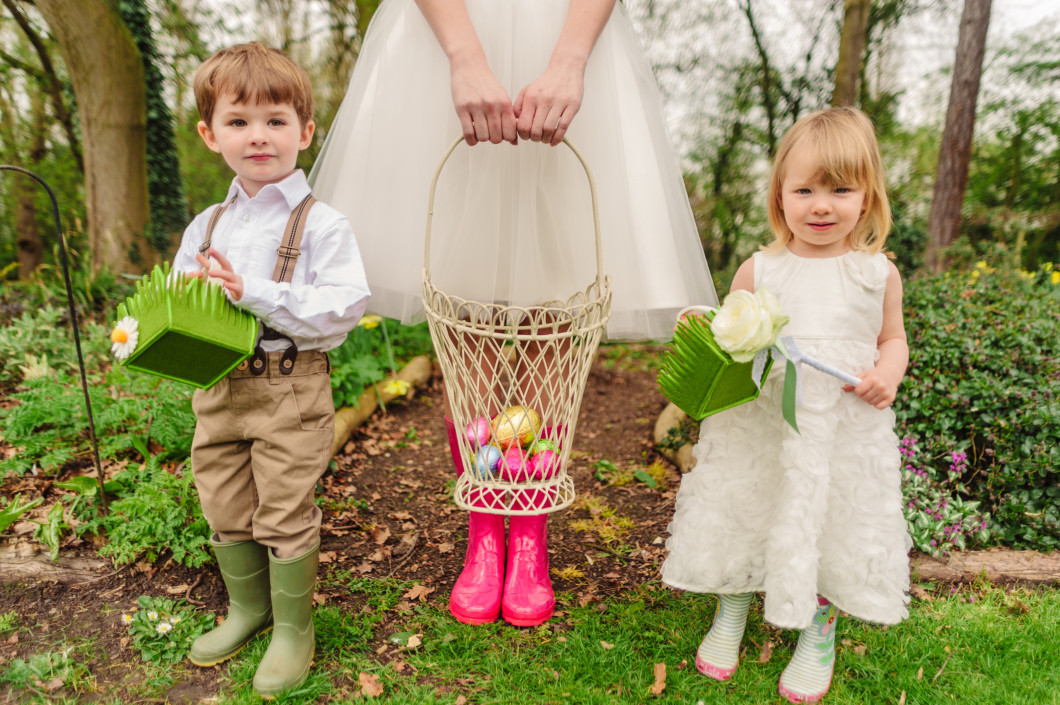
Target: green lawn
{"x": 982, "y": 645}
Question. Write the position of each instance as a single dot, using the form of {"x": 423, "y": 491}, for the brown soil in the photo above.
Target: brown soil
{"x": 398, "y": 464}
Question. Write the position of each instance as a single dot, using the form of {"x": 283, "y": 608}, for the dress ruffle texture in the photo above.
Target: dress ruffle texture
{"x": 512, "y": 224}
{"x": 795, "y": 516}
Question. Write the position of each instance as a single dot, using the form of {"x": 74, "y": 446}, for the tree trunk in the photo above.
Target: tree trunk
{"x": 954, "y": 153}
{"x": 107, "y": 77}
{"x": 852, "y": 41}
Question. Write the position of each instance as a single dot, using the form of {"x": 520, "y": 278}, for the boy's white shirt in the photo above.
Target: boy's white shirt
{"x": 328, "y": 292}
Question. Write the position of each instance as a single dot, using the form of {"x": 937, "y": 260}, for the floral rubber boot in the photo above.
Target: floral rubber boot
{"x": 808, "y": 676}
{"x": 719, "y": 652}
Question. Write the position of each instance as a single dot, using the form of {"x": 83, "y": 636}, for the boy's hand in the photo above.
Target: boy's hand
{"x": 231, "y": 281}
{"x": 875, "y": 388}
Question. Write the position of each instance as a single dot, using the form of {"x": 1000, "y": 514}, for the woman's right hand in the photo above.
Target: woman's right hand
{"x": 482, "y": 105}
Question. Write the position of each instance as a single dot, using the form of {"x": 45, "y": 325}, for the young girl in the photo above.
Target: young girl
{"x": 813, "y": 520}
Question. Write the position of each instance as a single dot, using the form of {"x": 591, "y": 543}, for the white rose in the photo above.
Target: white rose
{"x": 747, "y": 323}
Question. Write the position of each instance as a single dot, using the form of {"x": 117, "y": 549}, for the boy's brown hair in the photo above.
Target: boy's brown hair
{"x": 253, "y": 74}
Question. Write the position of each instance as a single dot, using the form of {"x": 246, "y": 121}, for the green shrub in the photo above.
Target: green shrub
{"x": 369, "y": 353}
{"x": 45, "y": 333}
{"x": 49, "y": 425}
{"x": 984, "y": 380}
{"x": 151, "y": 511}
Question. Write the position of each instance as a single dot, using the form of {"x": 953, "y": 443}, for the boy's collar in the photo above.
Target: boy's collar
{"x": 293, "y": 188}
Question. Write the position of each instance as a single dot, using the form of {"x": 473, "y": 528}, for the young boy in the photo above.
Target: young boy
{"x": 264, "y": 433}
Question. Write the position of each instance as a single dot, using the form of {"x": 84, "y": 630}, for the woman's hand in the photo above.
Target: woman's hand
{"x": 482, "y": 105}
{"x": 548, "y": 104}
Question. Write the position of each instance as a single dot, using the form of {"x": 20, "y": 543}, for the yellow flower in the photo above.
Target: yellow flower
{"x": 124, "y": 336}
{"x": 370, "y": 321}
{"x": 397, "y": 387}
{"x": 981, "y": 264}
{"x": 1055, "y": 277}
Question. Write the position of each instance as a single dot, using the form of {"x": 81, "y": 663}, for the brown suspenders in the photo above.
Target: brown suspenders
{"x": 286, "y": 257}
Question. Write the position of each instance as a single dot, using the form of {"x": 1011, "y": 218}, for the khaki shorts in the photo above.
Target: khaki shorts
{"x": 261, "y": 443}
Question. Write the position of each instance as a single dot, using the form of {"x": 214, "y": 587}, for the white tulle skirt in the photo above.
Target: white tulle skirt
{"x": 512, "y": 224}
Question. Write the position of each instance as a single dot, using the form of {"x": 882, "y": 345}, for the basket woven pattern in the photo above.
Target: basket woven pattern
{"x": 515, "y": 378}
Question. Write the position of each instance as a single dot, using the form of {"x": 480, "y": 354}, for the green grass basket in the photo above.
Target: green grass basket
{"x": 701, "y": 378}
{"x": 188, "y": 330}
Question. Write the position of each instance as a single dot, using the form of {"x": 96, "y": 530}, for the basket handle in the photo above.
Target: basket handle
{"x": 592, "y": 192}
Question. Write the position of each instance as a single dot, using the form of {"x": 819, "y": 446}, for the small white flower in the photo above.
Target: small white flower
{"x": 126, "y": 618}
{"x": 747, "y": 323}
{"x": 152, "y": 615}
{"x": 163, "y": 628}
{"x": 124, "y": 336}
{"x": 175, "y": 620}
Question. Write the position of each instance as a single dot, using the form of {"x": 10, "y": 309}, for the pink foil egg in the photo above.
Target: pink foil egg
{"x": 544, "y": 464}
{"x": 515, "y": 465}
{"x": 478, "y": 432}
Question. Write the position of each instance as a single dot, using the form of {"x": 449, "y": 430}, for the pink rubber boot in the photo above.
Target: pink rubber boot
{"x": 476, "y": 596}
{"x": 528, "y": 597}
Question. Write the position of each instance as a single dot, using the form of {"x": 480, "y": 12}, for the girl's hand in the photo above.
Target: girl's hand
{"x": 875, "y": 388}
{"x": 548, "y": 104}
{"x": 231, "y": 281}
{"x": 482, "y": 105}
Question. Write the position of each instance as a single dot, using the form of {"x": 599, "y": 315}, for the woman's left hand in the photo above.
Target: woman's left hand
{"x": 548, "y": 104}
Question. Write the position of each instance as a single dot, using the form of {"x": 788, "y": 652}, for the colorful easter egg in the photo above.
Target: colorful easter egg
{"x": 544, "y": 464}
{"x": 543, "y": 444}
{"x": 487, "y": 461}
{"x": 478, "y": 432}
{"x": 516, "y": 425}
{"x": 515, "y": 465}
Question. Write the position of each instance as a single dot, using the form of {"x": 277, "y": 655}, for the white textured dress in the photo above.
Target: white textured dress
{"x": 793, "y": 516}
{"x": 512, "y": 224}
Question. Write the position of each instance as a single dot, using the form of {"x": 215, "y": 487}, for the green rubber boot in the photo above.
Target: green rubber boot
{"x": 287, "y": 660}
{"x": 245, "y": 570}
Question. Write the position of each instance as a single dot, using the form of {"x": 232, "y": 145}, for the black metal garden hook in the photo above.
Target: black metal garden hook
{"x": 73, "y": 323}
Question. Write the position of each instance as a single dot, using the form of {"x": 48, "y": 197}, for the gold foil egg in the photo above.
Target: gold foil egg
{"x": 516, "y": 425}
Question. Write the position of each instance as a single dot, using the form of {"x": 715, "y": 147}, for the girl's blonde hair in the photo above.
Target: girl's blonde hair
{"x": 254, "y": 74}
{"x": 843, "y": 141}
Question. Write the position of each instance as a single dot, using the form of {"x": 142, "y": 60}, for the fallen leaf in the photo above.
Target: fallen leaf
{"x": 418, "y": 592}
{"x": 461, "y": 700}
{"x": 380, "y": 650}
{"x": 380, "y": 534}
{"x": 13, "y": 639}
{"x": 901, "y": 699}
{"x": 561, "y": 639}
{"x": 376, "y": 496}
{"x": 681, "y": 666}
{"x": 402, "y": 516}
{"x": 319, "y": 599}
{"x": 365, "y": 567}
{"x": 606, "y": 645}
{"x": 920, "y": 593}
{"x": 177, "y": 589}
{"x": 414, "y": 641}
{"x": 376, "y": 557}
{"x": 370, "y": 685}
{"x": 920, "y": 673}
{"x": 326, "y": 556}
{"x": 446, "y": 547}
{"x": 766, "y": 653}
{"x": 860, "y": 649}
{"x": 660, "y": 679}
{"x": 54, "y": 684}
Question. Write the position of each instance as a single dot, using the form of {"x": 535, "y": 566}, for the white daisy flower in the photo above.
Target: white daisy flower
{"x": 152, "y": 615}
{"x": 124, "y": 336}
{"x": 126, "y": 618}
{"x": 163, "y": 628}
{"x": 175, "y": 620}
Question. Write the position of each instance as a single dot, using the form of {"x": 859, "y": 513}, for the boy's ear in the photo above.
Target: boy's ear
{"x": 207, "y": 136}
{"x": 307, "y": 134}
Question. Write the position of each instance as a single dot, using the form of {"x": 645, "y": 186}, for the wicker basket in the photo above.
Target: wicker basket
{"x": 515, "y": 378}
{"x": 701, "y": 378}
{"x": 188, "y": 330}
